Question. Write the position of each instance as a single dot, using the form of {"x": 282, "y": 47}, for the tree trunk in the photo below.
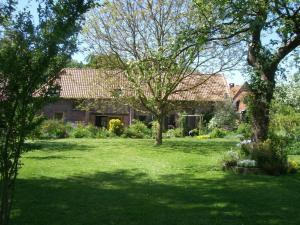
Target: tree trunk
{"x": 5, "y": 201}
{"x": 261, "y": 119}
{"x": 261, "y": 105}
{"x": 158, "y": 138}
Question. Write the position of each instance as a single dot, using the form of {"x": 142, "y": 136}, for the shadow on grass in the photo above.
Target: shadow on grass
{"x": 189, "y": 145}
{"x": 59, "y": 146}
{"x": 127, "y": 197}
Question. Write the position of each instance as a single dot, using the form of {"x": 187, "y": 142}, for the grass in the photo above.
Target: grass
{"x": 131, "y": 182}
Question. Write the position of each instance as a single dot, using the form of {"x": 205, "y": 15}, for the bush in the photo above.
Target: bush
{"x": 169, "y": 134}
{"x": 54, "y": 129}
{"x": 93, "y": 130}
{"x": 103, "y": 133}
{"x": 81, "y": 131}
{"x": 245, "y": 130}
{"x": 178, "y": 132}
{"x": 269, "y": 155}
{"x": 218, "y": 133}
{"x": 292, "y": 166}
{"x": 116, "y": 127}
{"x": 224, "y": 117}
{"x": 137, "y": 130}
{"x": 230, "y": 159}
{"x": 154, "y": 125}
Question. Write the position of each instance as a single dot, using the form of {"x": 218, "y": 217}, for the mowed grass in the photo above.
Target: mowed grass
{"x": 132, "y": 182}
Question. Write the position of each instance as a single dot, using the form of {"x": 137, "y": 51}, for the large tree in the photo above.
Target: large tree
{"x": 269, "y": 29}
{"x": 144, "y": 35}
{"x": 31, "y": 55}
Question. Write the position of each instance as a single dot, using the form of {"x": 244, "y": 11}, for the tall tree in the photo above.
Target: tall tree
{"x": 31, "y": 55}
{"x": 270, "y": 30}
{"x": 142, "y": 35}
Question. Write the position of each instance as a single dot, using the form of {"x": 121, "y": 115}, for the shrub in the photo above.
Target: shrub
{"x": 154, "y": 125}
{"x": 218, "y": 133}
{"x": 224, "y": 117}
{"x": 230, "y": 159}
{"x": 80, "y": 131}
{"x": 54, "y": 129}
{"x": 93, "y": 130}
{"x": 137, "y": 130}
{"x": 270, "y": 155}
{"x": 116, "y": 127}
{"x": 169, "y": 134}
{"x": 178, "y": 132}
{"x": 103, "y": 133}
{"x": 292, "y": 166}
{"x": 245, "y": 130}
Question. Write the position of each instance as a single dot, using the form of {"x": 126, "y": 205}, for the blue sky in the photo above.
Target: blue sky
{"x": 232, "y": 76}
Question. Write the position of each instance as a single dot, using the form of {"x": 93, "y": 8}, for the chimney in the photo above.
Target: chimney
{"x": 231, "y": 85}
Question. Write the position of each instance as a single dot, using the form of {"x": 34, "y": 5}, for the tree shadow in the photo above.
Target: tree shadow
{"x": 198, "y": 147}
{"x": 128, "y": 197}
{"x": 57, "y": 146}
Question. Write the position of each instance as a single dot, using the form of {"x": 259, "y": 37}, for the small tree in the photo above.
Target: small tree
{"x": 143, "y": 36}
{"x": 30, "y": 58}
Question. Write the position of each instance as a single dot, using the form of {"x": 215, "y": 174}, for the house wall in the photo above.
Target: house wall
{"x": 66, "y": 107}
{"x": 239, "y": 101}
{"x": 74, "y": 115}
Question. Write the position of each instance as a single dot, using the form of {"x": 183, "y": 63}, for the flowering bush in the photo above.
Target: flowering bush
{"x": 230, "y": 159}
{"x": 116, "y": 127}
{"x": 292, "y": 166}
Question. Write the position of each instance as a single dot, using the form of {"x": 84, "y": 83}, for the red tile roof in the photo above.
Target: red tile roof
{"x": 93, "y": 83}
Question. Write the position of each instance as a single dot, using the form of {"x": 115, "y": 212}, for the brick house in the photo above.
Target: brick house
{"x": 90, "y": 84}
{"x": 238, "y": 94}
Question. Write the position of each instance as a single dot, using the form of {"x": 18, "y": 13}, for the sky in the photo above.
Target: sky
{"x": 236, "y": 77}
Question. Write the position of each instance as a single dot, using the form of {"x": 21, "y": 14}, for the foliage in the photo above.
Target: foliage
{"x": 178, "y": 132}
{"x": 116, "y": 127}
{"x": 156, "y": 58}
{"x": 218, "y": 133}
{"x": 288, "y": 93}
{"x": 137, "y": 130}
{"x": 230, "y": 159}
{"x": 182, "y": 122}
{"x": 31, "y": 55}
{"x": 109, "y": 62}
{"x": 224, "y": 117}
{"x": 268, "y": 43}
{"x": 54, "y": 129}
{"x": 103, "y": 133}
{"x": 82, "y": 131}
{"x": 154, "y": 125}
{"x": 293, "y": 166}
{"x": 270, "y": 155}
{"x": 245, "y": 130}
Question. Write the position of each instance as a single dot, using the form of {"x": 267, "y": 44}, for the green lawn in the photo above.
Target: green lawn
{"x": 126, "y": 182}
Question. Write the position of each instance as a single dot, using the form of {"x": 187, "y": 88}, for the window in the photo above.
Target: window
{"x": 58, "y": 115}
{"x": 237, "y": 105}
{"x": 142, "y": 118}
